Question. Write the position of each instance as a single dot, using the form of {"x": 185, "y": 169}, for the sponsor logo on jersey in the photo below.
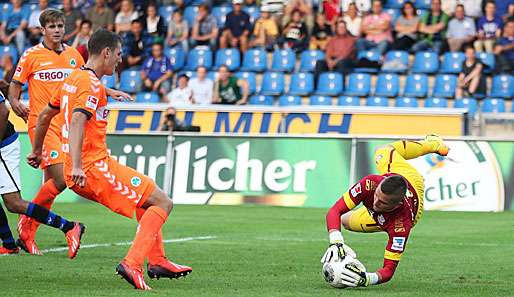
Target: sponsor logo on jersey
{"x": 381, "y": 220}
{"x": 102, "y": 113}
{"x": 69, "y": 88}
{"x": 356, "y": 190}
{"x": 135, "y": 181}
{"x": 18, "y": 71}
{"x": 398, "y": 244}
{"x": 92, "y": 102}
{"x": 45, "y": 64}
{"x": 54, "y": 154}
{"x": 52, "y": 74}
{"x": 398, "y": 226}
{"x": 73, "y": 62}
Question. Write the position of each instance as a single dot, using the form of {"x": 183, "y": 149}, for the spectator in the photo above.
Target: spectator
{"x": 509, "y": 16}
{"x": 34, "y": 28}
{"x": 265, "y": 31}
{"x": 364, "y": 6}
{"x": 377, "y": 28}
{"x": 178, "y": 31}
{"x": 339, "y": 52}
{"x": 406, "y": 27}
{"x": 470, "y": 80}
{"x": 237, "y": 28}
{"x": 473, "y": 8}
{"x": 171, "y": 123}
{"x": 461, "y": 30}
{"x": 295, "y": 34}
{"x": 82, "y": 38}
{"x": 433, "y": 27}
{"x": 305, "y": 9}
{"x": 124, "y": 18}
{"x": 202, "y": 87}
{"x": 489, "y": 28}
{"x": 157, "y": 71}
{"x": 353, "y": 20}
{"x": 228, "y": 89}
{"x": 182, "y": 95}
{"x": 6, "y": 67}
{"x": 72, "y": 20}
{"x": 250, "y": 3}
{"x": 504, "y": 49}
{"x": 276, "y": 8}
{"x": 101, "y": 16}
{"x": 205, "y": 29}
{"x": 331, "y": 9}
{"x": 152, "y": 22}
{"x": 13, "y": 25}
{"x": 137, "y": 41}
{"x": 320, "y": 33}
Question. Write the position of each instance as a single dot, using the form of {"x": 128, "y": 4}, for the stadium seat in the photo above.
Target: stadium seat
{"x": 330, "y": 84}
{"x": 388, "y": 85}
{"x": 109, "y": 81}
{"x": 10, "y": 50}
{"x": 493, "y": 105}
{"x": 289, "y": 100}
{"x": 488, "y": 60}
{"x": 255, "y": 60}
{"x": 229, "y": 57}
{"x": 399, "y": 58}
{"x": 358, "y": 84}
{"x": 166, "y": 12}
{"x": 394, "y": 13}
{"x": 377, "y": 101}
{"x": 302, "y": 84}
{"x": 177, "y": 57}
{"x": 452, "y": 62}
{"x": 25, "y": 96}
{"x": 503, "y": 86}
{"x": 425, "y": 62}
{"x": 470, "y": 103}
{"x": 199, "y": 57}
{"x": 253, "y": 11}
{"x": 190, "y": 74}
{"x": 436, "y": 102}
{"x": 261, "y": 100}
{"x": 320, "y": 100}
{"x": 348, "y": 101}
{"x": 220, "y": 13}
{"x": 130, "y": 81}
{"x": 272, "y": 83}
{"x": 147, "y": 97}
{"x": 190, "y": 15}
{"x": 416, "y": 85}
{"x": 394, "y": 3}
{"x": 4, "y": 8}
{"x": 423, "y": 4}
{"x": 283, "y": 60}
{"x": 212, "y": 75}
{"x": 250, "y": 77}
{"x": 309, "y": 58}
{"x": 406, "y": 102}
{"x": 444, "y": 85}
{"x": 372, "y": 55}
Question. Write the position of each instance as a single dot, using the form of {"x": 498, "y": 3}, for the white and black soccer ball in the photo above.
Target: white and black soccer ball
{"x": 332, "y": 271}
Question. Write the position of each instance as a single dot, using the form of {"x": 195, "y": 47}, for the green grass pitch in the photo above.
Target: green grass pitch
{"x": 269, "y": 251}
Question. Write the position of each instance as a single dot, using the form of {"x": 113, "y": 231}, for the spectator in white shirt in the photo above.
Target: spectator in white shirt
{"x": 202, "y": 87}
{"x": 125, "y": 17}
{"x": 353, "y": 20}
{"x": 461, "y": 30}
{"x": 363, "y": 6}
{"x": 34, "y": 28}
{"x": 181, "y": 95}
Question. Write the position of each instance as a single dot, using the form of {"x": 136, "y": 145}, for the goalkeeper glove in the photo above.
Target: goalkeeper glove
{"x": 337, "y": 249}
{"x": 353, "y": 275}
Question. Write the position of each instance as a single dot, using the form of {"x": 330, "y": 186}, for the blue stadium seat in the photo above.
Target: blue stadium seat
{"x": 394, "y": 3}
{"x": 330, "y": 83}
{"x": 283, "y": 60}
{"x": 493, "y": 105}
{"x": 421, "y": 12}
{"x": 423, "y": 4}
{"x": 229, "y": 57}
{"x": 309, "y": 58}
{"x": 272, "y": 83}
{"x": 253, "y": 11}
{"x": 250, "y": 77}
{"x": 436, "y": 102}
{"x": 147, "y": 97}
{"x": 177, "y": 57}
{"x": 10, "y": 50}
{"x": 444, "y": 85}
{"x": 371, "y": 55}
{"x": 190, "y": 14}
{"x": 261, "y": 100}
{"x": 109, "y": 81}
{"x": 401, "y": 57}
{"x": 199, "y": 57}
{"x": 394, "y": 13}
{"x": 416, "y": 85}
{"x": 388, "y": 85}
{"x": 452, "y": 62}
{"x": 190, "y": 74}
{"x": 166, "y": 12}
{"x": 220, "y": 13}
{"x": 212, "y": 75}
{"x": 406, "y": 102}
{"x": 289, "y": 100}
{"x": 377, "y": 101}
{"x": 130, "y": 81}
{"x": 302, "y": 84}
{"x": 320, "y": 100}
{"x": 255, "y": 60}
{"x": 488, "y": 60}
{"x": 25, "y": 96}
{"x": 470, "y": 103}
{"x": 503, "y": 86}
{"x": 358, "y": 84}
{"x": 348, "y": 101}
{"x": 4, "y": 8}
{"x": 425, "y": 62}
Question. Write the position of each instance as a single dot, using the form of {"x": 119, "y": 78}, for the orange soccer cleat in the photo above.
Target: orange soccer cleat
{"x": 6, "y": 251}
{"x": 73, "y": 238}
{"x": 26, "y": 232}
{"x": 168, "y": 269}
{"x": 133, "y": 275}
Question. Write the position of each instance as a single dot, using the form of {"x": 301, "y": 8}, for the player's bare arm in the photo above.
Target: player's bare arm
{"x": 76, "y": 139}
{"x": 118, "y": 95}
{"x": 43, "y": 122}
{"x": 17, "y": 106}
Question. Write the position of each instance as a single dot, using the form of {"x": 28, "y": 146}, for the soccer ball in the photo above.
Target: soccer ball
{"x": 332, "y": 271}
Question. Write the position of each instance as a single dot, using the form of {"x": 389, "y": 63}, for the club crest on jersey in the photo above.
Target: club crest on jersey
{"x": 381, "y": 220}
{"x": 92, "y": 102}
{"x": 398, "y": 244}
{"x": 135, "y": 181}
{"x": 356, "y": 190}
{"x": 73, "y": 62}
{"x": 54, "y": 154}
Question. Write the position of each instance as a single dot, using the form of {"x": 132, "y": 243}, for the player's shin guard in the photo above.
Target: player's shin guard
{"x": 44, "y": 216}
{"x": 5, "y": 231}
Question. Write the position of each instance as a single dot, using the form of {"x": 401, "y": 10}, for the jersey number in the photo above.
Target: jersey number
{"x": 66, "y": 127}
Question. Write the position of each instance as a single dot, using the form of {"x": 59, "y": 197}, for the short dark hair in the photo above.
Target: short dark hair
{"x": 183, "y": 76}
{"x": 50, "y": 15}
{"x": 460, "y": 5}
{"x": 86, "y": 22}
{"x": 394, "y": 185}
{"x": 138, "y": 21}
{"x": 102, "y": 39}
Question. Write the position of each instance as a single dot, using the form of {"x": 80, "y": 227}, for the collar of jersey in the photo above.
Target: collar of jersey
{"x": 57, "y": 52}
{"x": 88, "y": 69}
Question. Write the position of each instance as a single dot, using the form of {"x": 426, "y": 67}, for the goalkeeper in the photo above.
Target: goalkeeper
{"x": 392, "y": 203}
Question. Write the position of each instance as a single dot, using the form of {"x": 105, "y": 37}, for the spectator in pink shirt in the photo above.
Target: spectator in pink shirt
{"x": 377, "y": 30}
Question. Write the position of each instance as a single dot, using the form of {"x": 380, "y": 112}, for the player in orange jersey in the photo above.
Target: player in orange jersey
{"x": 89, "y": 170}
{"x": 44, "y": 67}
